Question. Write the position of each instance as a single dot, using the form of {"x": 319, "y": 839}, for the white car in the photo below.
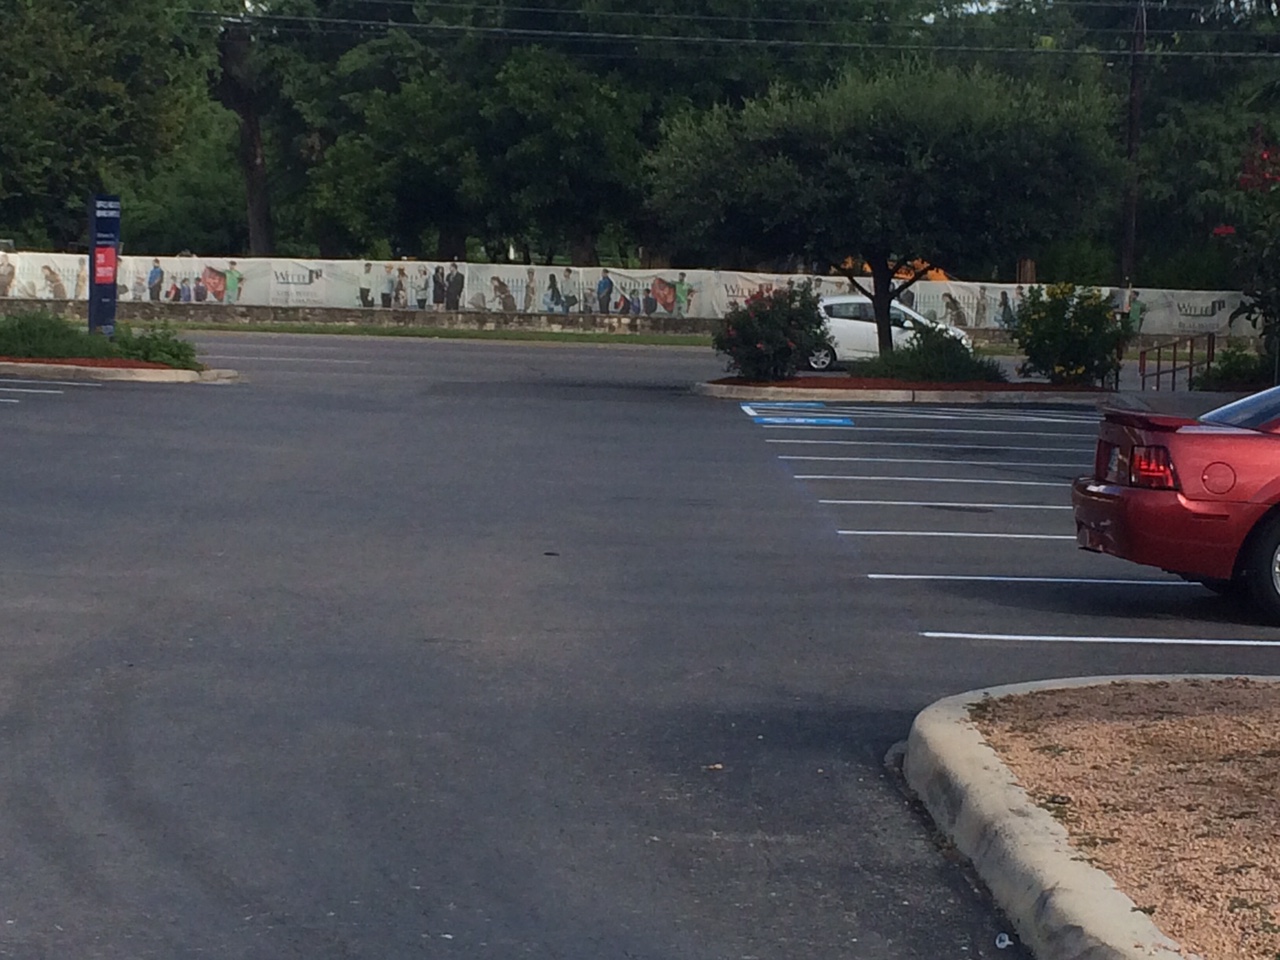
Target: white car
{"x": 851, "y": 324}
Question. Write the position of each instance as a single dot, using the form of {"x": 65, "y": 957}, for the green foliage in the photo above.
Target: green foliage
{"x": 1237, "y": 368}
{"x": 90, "y": 90}
{"x": 916, "y": 163}
{"x": 1070, "y": 335}
{"x": 156, "y": 344}
{"x": 1256, "y": 245}
{"x": 768, "y": 336}
{"x": 932, "y": 356}
{"x": 38, "y": 334}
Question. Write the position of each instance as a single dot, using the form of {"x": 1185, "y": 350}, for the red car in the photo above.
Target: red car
{"x": 1199, "y": 498}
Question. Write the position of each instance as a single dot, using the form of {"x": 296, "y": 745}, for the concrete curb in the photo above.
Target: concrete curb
{"x": 1062, "y": 908}
{"x": 1012, "y": 397}
{"x": 68, "y": 371}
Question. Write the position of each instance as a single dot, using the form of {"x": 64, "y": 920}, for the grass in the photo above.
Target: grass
{"x": 449, "y": 333}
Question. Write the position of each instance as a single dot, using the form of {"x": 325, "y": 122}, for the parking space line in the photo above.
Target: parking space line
{"x": 53, "y": 383}
{"x": 959, "y": 535}
{"x": 1141, "y": 641}
{"x": 938, "y": 503}
{"x": 958, "y": 463}
{"x": 974, "y": 578}
{"x": 7, "y": 400}
{"x": 1003, "y": 483}
{"x": 935, "y": 446}
{"x": 999, "y": 433}
{"x": 28, "y": 390}
{"x": 949, "y": 415}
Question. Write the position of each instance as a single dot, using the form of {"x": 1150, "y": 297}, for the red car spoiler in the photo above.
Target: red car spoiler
{"x": 1147, "y": 421}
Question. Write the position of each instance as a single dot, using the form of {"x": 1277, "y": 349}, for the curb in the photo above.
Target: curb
{"x": 1062, "y": 908}
{"x": 726, "y": 391}
{"x": 70, "y": 371}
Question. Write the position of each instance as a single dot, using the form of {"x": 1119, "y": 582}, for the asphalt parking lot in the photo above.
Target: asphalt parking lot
{"x": 406, "y": 648}
{"x": 962, "y": 515}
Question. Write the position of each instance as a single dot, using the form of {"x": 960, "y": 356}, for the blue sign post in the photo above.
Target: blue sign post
{"x": 104, "y": 258}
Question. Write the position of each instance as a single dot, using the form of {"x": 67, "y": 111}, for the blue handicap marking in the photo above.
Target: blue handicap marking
{"x": 805, "y": 421}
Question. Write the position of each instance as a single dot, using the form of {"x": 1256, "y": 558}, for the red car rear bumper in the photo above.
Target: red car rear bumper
{"x": 1162, "y": 528}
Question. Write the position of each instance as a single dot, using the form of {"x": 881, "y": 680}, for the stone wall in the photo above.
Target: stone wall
{"x": 147, "y": 312}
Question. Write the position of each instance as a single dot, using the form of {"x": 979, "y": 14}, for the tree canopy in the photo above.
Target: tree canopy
{"x": 389, "y": 127}
{"x": 916, "y": 164}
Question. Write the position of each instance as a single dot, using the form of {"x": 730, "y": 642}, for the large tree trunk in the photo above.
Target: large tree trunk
{"x": 237, "y": 90}
{"x": 881, "y": 298}
{"x": 261, "y": 234}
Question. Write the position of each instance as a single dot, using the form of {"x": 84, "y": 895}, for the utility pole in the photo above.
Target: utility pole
{"x": 1137, "y": 51}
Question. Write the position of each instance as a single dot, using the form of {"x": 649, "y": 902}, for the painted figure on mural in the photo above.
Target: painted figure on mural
{"x": 235, "y": 283}
{"x": 553, "y": 299}
{"x": 388, "y": 286}
{"x": 455, "y": 282}
{"x": 200, "y": 292}
{"x": 155, "y": 280}
{"x": 567, "y": 288}
{"x": 53, "y": 284}
{"x": 502, "y": 297}
{"x": 953, "y": 312}
{"x": 684, "y": 295}
{"x": 1005, "y": 310}
{"x": 7, "y": 272}
{"x": 604, "y": 292}
{"x": 82, "y": 281}
{"x": 422, "y": 287}
{"x": 439, "y": 284}
{"x": 980, "y": 308}
{"x": 530, "y": 290}
{"x": 366, "y": 286}
{"x": 400, "y": 292}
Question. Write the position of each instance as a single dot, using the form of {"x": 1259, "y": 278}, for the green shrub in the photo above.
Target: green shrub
{"x": 1237, "y": 368}
{"x": 38, "y": 334}
{"x": 768, "y": 336}
{"x": 42, "y": 335}
{"x": 1070, "y": 335}
{"x": 932, "y": 356}
{"x": 157, "y": 345}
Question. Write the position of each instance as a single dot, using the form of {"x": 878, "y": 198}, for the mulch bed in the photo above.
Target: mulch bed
{"x": 884, "y": 383}
{"x": 117, "y": 362}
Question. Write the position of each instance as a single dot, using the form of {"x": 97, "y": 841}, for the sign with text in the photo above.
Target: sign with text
{"x": 104, "y": 259}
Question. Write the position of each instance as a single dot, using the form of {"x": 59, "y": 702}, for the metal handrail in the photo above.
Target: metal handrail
{"x": 1191, "y": 365}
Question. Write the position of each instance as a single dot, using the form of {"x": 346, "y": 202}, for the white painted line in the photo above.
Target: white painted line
{"x": 943, "y": 533}
{"x": 1102, "y": 581}
{"x": 51, "y": 383}
{"x": 870, "y": 414}
{"x": 1003, "y": 483}
{"x": 748, "y": 410}
{"x": 1142, "y": 641}
{"x": 936, "y": 503}
{"x": 27, "y": 390}
{"x": 224, "y": 356}
{"x": 998, "y": 433}
{"x": 7, "y": 400}
{"x": 935, "y": 446}
{"x": 959, "y": 463}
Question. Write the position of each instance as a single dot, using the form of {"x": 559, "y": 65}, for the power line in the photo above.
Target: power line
{"x": 966, "y": 23}
{"x": 531, "y": 33}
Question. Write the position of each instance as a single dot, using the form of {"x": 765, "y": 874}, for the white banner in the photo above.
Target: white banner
{"x": 512, "y": 288}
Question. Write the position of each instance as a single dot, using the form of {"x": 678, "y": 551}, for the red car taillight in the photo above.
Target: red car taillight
{"x": 1152, "y": 468}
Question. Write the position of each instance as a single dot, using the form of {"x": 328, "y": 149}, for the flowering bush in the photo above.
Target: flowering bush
{"x": 770, "y": 334}
{"x": 1070, "y": 335}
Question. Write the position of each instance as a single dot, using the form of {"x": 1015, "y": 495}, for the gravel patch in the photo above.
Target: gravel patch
{"x": 1172, "y": 788}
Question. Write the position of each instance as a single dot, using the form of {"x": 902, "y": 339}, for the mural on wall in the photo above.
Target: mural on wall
{"x": 428, "y": 286}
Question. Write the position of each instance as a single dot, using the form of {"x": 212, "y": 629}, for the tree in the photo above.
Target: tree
{"x": 918, "y": 165}
{"x": 90, "y": 91}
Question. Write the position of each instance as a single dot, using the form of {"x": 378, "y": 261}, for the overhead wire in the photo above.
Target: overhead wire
{"x": 535, "y": 33}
